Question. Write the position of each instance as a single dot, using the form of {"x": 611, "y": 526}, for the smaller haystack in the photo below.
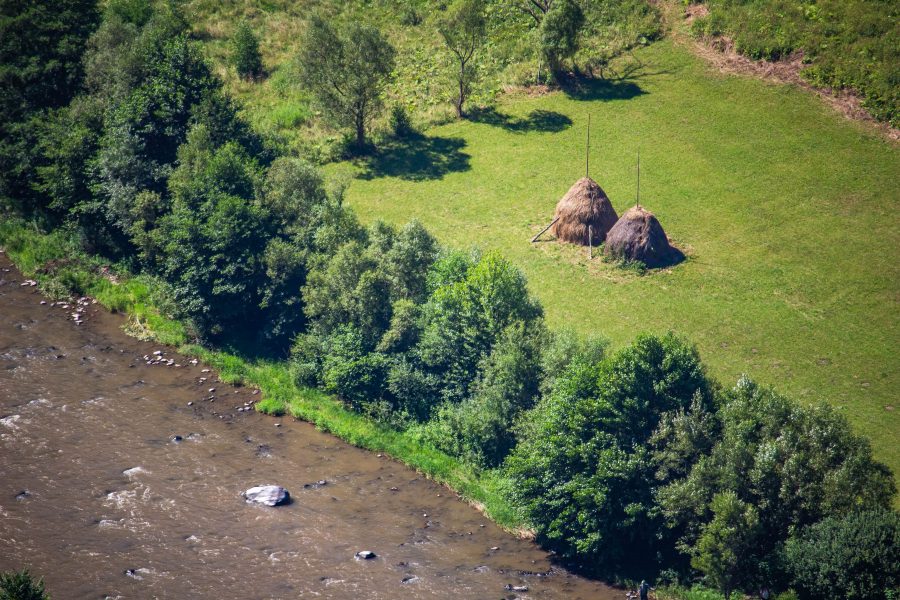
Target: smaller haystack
{"x": 638, "y": 236}
{"x": 585, "y": 208}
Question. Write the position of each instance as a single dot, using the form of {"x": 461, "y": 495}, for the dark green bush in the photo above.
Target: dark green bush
{"x": 583, "y": 472}
{"x": 856, "y": 557}
{"x": 20, "y": 585}
{"x": 401, "y": 124}
{"x": 483, "y": 427}
{"x": 348, "y": 371}
{"x": 794, "y": 464}
{"x": 245, "y": 52}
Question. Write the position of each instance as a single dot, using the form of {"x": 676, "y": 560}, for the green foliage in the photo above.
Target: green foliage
{"x": 856, "y": 557}
{"x": 467, "y": 311}
{"x": 794, "y": 464}
{"x": 20, "y": 585}
{"x": 726, "y": 543}
{"x": 401, "y": 124}
{"x": 583, "y": 471}
{"x": 349, "y": 371}
{"x": 559, "y": 32}
{"x": 41, "y": 44}
{"x": 464, "y": 29}
{"x": 346, "y": 69}
{"x": 350, "y": 289}
{"x": 214, "y": 238}
{"x": 846, "y": 43}
{"x": 483, "y": 427}
{"x": 245, "y": 52}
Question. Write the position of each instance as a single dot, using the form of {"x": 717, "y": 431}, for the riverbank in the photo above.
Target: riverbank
{"x": 56, "y": 265}
{"x": 122, "y": 463}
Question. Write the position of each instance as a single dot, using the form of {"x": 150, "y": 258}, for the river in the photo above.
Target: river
{"x": 121, "y": 479}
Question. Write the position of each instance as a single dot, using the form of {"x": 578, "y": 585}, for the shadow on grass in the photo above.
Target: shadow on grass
{"x": 587, "y": 88}
{"x": 544, "y": 121}
{"x": 416, "y": 158}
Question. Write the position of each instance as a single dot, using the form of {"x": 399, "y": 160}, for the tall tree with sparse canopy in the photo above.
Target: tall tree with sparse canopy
{"x": 463, "y": 30}
{"x": 346, "y": 69}
{"x": 245, "y": 52}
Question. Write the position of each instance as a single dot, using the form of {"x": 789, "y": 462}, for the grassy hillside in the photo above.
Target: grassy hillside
{"x": 851, "y": 44}
{"x": 786, "y": 210}
{"x": 423, "y": 84}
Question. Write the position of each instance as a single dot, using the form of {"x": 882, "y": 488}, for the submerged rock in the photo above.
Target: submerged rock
{"x": 267, "y": 495}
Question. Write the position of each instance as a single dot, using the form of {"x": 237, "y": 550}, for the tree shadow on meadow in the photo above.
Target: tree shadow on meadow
{"x": 590, "y": 88}
{"x": 416, "y": 157}
{"x": 543, "y": 121}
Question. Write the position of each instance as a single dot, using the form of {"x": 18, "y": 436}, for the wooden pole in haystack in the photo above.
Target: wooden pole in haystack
{"x": 638, "y": 199}
{"x": 590, "y": 243}
{"x": 587, "y": 150}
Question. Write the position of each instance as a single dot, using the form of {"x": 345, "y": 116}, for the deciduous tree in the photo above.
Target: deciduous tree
{"x": 463, "y": 30}
{"x": 346, "y": 69}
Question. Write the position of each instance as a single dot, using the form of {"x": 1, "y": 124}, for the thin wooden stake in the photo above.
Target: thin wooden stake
{"x": 587, "y": 150}
{"x": 534, "y": 239}
{"x": 590, "y": 243}
{"x": 639, "y": 178}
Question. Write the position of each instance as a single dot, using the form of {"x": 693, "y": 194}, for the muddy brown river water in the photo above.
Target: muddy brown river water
{"x": 113, "y": 486}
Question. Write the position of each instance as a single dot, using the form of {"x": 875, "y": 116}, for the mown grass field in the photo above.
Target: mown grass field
{"x": 788, "y": 213}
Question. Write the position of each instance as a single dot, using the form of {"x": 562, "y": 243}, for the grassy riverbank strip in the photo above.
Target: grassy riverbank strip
{"x": 61, "y": 268}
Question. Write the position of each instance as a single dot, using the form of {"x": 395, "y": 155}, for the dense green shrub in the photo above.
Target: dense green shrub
{"x": 214, "y": 237}
{"x": 470, "y": 306}
{"x": 245, "y": 52}
{"x": 584, "y": 473}
{"x": 352, "y": 373}
{"x": 401, "y": 124}
{"x": 794, "y": 464}
{"x": 726, "y": 542}
{"x": 483, "y": 427}
{"x": 856, "y": 557}
{"x": 559, "y": 33}
{"x": 20, "y": 585}
{"x": 41, "y": 47}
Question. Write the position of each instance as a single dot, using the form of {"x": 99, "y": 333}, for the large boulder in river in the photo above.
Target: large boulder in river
{"x": 267, "y": 495}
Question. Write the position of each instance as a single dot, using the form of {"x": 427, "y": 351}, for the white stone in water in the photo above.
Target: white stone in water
{"x": 267, "y": 495}
{"x": 134, "y": 471}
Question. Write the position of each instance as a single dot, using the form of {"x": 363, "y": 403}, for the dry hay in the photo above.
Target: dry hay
{"x": 585, "y": 207}
{"x": 638, "y": 236}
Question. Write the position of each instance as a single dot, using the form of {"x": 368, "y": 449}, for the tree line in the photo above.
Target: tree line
{"x": 627, "y": 464}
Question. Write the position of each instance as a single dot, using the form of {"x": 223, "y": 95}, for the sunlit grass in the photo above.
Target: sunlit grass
{"x": 787, "y": 212}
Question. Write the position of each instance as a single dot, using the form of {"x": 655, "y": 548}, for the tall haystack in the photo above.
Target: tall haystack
{"x": 585, "y": 208}
{"x": 638, "y": 236}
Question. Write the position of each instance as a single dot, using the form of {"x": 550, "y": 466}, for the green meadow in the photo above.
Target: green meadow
{"x": 785, "y": 210}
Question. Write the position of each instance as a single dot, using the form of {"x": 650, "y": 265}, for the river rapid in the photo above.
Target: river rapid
{"x": 122, "y": 479}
